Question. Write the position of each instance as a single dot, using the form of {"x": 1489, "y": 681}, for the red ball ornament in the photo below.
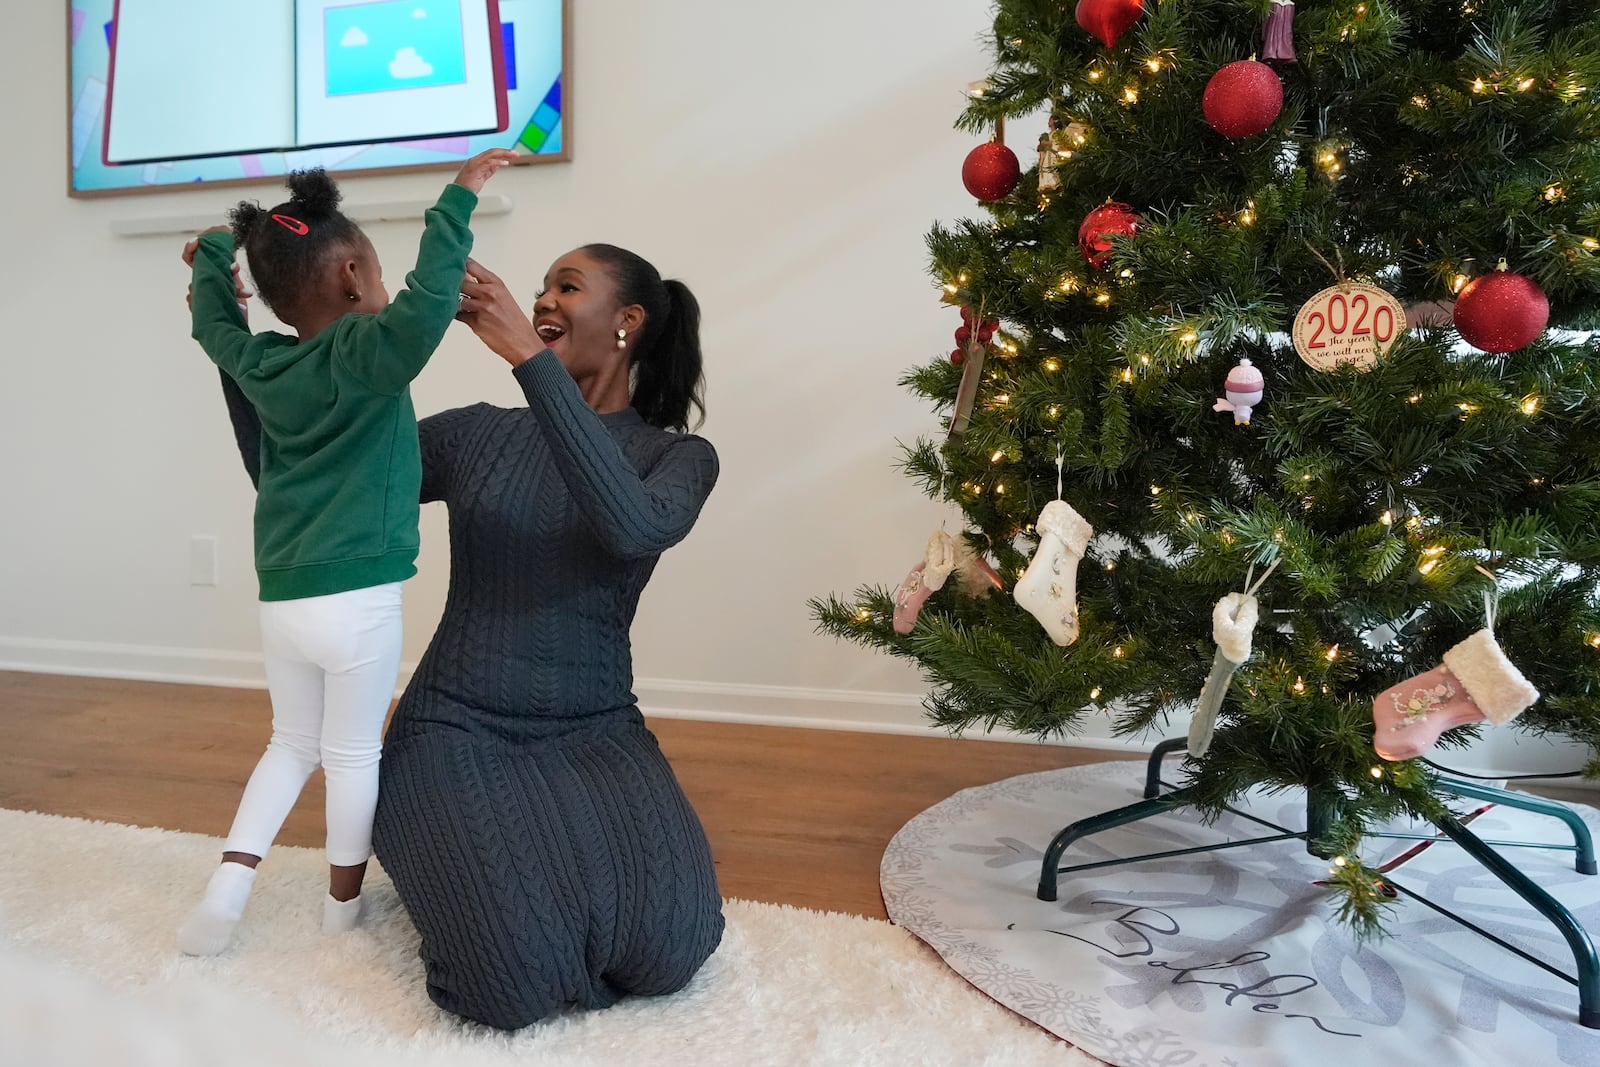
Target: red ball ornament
{"x": 957, "y": 356}
{"x": 1100, "y": 225}
{"x": 1242, "y": 99}
{"x": 963, "y": 334}
{"x": 1501, "y": 312}
{"x": 1108, "y": 19}
{"x": 991, "y": 171}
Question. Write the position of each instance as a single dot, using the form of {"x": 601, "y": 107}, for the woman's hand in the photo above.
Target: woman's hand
{"x": 488, "y": 307}
{"x": 476, "y": 171}
{"x": 240, "y": 293}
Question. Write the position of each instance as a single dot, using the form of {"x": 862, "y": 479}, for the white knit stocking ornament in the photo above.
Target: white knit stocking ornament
{"x": 1233, "y": 624}
{"x": 1048, "y": 589}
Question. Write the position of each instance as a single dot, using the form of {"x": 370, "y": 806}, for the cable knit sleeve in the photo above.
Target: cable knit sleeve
{"x": 633, "y": 513}
{"x": 440, "y": 437}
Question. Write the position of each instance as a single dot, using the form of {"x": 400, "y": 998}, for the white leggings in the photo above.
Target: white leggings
{"x": 332, "y": 663}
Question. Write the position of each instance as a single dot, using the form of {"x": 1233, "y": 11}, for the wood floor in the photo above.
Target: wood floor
{"x": 795, "y": 816}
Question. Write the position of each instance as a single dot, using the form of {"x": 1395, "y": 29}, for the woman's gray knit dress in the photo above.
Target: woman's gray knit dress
{"x": 535, "y": 832}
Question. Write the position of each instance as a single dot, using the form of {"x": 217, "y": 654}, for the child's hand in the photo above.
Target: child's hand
{"x": 194, "y": 244}
{"x": 240, "y": 293}
{"x": 475, "y": 172}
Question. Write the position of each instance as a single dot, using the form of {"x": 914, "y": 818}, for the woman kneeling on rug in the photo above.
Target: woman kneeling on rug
{"x": 535, "y": 832}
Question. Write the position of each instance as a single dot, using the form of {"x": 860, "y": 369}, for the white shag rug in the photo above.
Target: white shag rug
{"x": 89, "y": 974}
{"x": 1233, "y": 958}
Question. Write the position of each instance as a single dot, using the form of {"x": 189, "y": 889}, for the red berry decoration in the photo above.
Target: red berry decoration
{"x": 1242, "y": 99}
{"x": 957, "y": 356}
{"x": 1108, "y": 19}
{"x": 963, "y": 334}
{"x": 991, "y": 171}
{"x": 1101, "y": 225}
{"x": 1501, "y": 312}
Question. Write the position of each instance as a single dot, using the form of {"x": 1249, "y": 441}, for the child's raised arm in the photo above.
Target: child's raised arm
{"x": 389, "y": 349}
{"x": 214, "y": 293}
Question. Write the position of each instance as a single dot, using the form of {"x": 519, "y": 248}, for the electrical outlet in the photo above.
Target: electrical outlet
{"x": 202, "y": 560}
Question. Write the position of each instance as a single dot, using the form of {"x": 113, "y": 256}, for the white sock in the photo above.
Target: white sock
{"x": 1049, "y": 587}
{"x": 209, "y": 928}
{"x": 340, "y": 916}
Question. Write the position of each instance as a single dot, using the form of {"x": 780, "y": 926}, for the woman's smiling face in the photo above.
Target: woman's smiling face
{"x": 577, "y": 314}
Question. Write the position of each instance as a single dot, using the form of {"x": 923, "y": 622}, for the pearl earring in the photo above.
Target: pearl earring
{"x": 622, "y": 338}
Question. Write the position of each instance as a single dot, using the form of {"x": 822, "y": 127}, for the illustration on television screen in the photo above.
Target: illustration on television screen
{"x": 163, "y": 95}
{"x": 392, "y": 44}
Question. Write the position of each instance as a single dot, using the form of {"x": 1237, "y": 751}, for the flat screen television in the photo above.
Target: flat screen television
{"x": 167, "y": 93}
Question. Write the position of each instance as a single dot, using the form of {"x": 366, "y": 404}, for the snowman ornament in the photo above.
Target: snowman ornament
{"x": 1241, "y": 392}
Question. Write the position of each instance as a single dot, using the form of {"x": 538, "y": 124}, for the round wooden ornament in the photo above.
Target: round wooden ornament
{"x": 1348, "y": 323}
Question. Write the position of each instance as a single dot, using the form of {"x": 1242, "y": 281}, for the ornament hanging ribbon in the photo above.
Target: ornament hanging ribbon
{"x": 971, "y": 379}
{"x": 1233, "y": 623}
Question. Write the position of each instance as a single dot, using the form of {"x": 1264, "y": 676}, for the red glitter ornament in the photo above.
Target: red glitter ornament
{"x": 1101, "y": 225}
{"x": 1242, "y": 99}
{"x": 1108, "y": 19}
{"x": 991, "y": 171}
{"x": 1501, "y": 312}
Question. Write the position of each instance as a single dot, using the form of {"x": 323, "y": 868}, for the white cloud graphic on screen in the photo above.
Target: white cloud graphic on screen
{"x": 353, "y": 38}
{"x": 407, "y": 64}
{"x": 419, "y": 14}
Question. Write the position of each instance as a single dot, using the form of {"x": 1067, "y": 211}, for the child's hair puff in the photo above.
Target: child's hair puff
{"x": 287, "y": 245}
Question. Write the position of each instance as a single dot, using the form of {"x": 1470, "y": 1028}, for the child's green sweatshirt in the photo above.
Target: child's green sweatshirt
{"x": 336, "y": 506}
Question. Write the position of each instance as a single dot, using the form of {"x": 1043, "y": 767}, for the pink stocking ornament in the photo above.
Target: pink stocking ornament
{"x": 925, "y": 579}
{"x": 1475, "y": 683}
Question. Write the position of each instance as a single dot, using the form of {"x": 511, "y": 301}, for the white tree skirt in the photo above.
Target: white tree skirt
{"x": 1233, "y": 957}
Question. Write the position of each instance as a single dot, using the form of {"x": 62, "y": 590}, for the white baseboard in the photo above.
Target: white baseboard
{"x": 757, "y": 705}
{"x": 140, "y": 663}
{"x": 826, "y": 709}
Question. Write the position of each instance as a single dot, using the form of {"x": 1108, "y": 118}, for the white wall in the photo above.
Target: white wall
{"x": 789, "y": 179}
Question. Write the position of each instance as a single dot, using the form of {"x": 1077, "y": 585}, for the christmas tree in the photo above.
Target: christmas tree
{"x": 1391, "y": 210}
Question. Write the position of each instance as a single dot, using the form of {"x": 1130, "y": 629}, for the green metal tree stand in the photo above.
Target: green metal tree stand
{"x": 1319, "y": 814}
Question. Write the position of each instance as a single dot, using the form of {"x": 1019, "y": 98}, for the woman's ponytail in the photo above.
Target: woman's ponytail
{"x": 669, "y": 378}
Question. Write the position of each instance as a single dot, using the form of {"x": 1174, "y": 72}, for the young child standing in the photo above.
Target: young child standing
{"x": 336, "y": 503}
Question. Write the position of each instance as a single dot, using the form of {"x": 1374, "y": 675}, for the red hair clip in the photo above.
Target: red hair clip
{"x": 292, "y": 224}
